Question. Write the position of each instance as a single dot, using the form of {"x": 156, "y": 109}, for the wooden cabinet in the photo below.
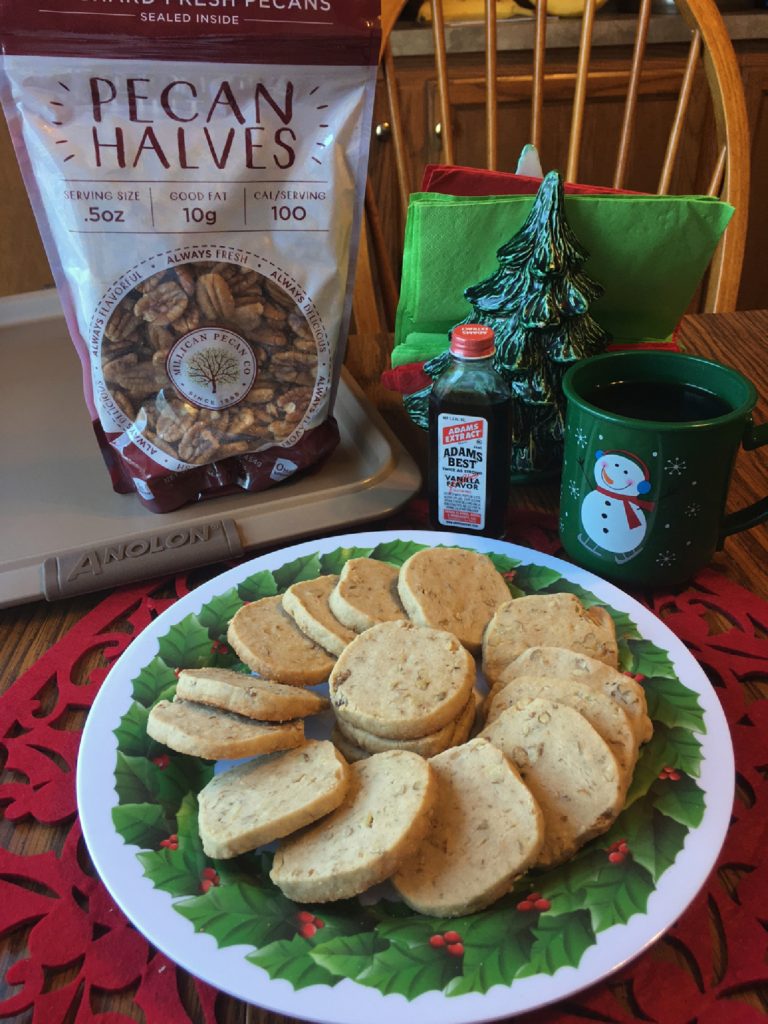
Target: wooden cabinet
{"x": 609, "y": 70}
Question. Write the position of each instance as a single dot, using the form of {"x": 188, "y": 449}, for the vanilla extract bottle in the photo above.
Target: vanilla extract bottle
{"x": 470, "y": 432}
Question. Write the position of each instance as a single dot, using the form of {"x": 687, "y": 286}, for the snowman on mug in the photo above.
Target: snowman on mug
{"x": 613, "y": 514}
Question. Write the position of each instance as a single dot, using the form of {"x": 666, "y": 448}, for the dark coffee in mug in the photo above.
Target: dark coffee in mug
{"x": 662, "y": 401}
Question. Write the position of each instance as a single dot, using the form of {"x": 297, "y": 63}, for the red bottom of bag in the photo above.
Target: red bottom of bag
{"x": 163, "y": 491}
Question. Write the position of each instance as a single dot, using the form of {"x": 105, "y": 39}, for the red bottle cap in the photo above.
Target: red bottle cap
{"x": 473, "y": 341}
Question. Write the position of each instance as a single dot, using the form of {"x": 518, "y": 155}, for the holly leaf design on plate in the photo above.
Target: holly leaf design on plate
{"x": 532, "y": 579}
{"x": 334, "y": 561}
{"x": 241, "y": 913}
{"x": 496, "y": 946}
{"x": 132, "y": 735}
{"x": 396, "y": 551}
{"x": 654, "y": 841}
{"x": 674, "y": 704}
{"x": 215, "y": 614}
{"x": 178, "y": 872}
{"x": 291, "y": 960}
{"x": 680, "y": 799}
{"x": 348, "y": 956}
{"x": 564, "y": 886}
{"x": 408, "y": 967}
{"x": 304, "y": 568}
{"x": 658, "y": 847}
{"x": 667, "y": 748}
{"x": 138, "y": 780}
{"x": 626, "y": 628}
{"x": 617, "y": 892}
{"x": 151, "y": 681}
{"x": 558, "y": 942}
{"x": 345, "y": 917}
{"x": 261, "y": 584}
{"x": 650, "y": 661}
{"x": 186, "y": 644}
{"x": 142, "y": 825}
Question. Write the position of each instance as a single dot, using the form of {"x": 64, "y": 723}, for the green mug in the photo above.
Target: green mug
{"x": 650, "y": 442}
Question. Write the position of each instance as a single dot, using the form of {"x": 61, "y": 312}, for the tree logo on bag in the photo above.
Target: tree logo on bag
{"x": 212, "y": 367}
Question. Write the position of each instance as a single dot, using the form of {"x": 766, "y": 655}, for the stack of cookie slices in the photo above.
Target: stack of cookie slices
{"x": 427, "y": 780}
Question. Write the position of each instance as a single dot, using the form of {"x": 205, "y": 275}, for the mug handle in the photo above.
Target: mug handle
{"x": 745, "y": 518}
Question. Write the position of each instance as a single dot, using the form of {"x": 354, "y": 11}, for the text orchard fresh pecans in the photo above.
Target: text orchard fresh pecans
{"x": 197, "y": 172}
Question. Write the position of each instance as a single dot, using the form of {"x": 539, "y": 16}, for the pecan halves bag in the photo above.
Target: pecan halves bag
{"x": 197, "y": 170}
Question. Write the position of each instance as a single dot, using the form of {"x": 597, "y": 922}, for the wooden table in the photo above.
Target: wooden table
{"x": 26, "y": 632}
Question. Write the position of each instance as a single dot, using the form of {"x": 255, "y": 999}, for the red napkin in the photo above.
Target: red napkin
{"x": 474, "y": 181}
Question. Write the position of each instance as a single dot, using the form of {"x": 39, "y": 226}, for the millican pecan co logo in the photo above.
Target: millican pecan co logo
{"x": 212, "y": 367}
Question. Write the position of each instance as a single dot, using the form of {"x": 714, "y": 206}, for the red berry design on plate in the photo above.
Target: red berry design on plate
{"x": 534, "y": 901}
{"x": 171, "y": 843}
{"x": 162, "y": 760}
{"x": 208, "y": 879}
{"x": 309, "y": 924}
{"x": 618, "y": 851}
{"x": 669, "y": 773}
{"x": 449, "y": 941}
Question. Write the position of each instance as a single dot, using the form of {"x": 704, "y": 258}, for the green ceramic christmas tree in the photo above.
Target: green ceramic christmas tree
{"x": 537, "y": 302}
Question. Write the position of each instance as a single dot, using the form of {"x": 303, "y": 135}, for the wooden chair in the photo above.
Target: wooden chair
{"x": 549, "y": 80}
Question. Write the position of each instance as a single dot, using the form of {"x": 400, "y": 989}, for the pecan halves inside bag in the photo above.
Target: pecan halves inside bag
{"x": 149, "y": 321}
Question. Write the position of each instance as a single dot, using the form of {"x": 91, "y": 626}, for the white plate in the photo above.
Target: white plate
{"x": 372, "y": 961}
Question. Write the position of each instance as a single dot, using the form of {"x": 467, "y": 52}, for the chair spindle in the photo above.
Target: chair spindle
{"x": 630, "y": 106}
{"x": 441, "y": 63}
{"x": 491, "y": 101}
{"x": 580, "y": 93}
{"x": 684, "y": 98}
{"x": 539, "y": 51}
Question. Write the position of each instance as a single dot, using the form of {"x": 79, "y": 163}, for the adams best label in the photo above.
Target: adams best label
{"x": 462, "y": 470}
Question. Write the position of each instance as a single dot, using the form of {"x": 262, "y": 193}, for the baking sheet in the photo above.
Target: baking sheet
{"x": 63, "y": 530}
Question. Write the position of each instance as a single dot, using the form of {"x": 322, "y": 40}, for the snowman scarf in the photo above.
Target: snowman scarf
{"x": 629, "y": 500}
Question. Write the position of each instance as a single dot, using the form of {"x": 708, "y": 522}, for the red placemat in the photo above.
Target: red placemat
{"x": 69, "y": 921}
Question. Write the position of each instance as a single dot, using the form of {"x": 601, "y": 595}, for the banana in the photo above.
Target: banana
{"x": 568, "y": 8}
{"x": 472, "y": 10}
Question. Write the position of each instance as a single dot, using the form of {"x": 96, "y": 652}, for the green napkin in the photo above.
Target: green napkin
{"x": 648, "y": 252}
